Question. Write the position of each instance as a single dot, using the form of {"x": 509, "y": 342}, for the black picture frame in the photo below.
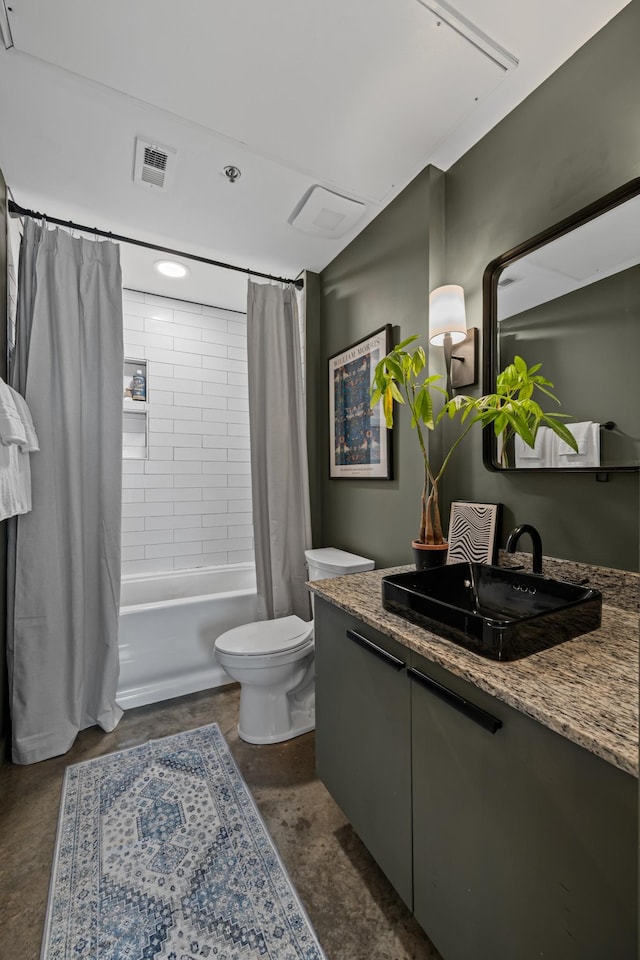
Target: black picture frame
{"x": 360, "y": 445}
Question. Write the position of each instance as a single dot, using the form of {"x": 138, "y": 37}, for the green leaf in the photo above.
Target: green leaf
{"x": 468, "y": 408}
{"x": 522, "y": 429}
{"x": 520, "y": 366}
{"x": 480, "y": 418}
{"x": 548, "y": 392}
{"x": 395, "y": 368}
{"x": 561, "y": 431}
{"x": 395, "y": 393}
{"x": 525, "y": 392}
{"x": 424, "y": 407}
{"x": 387, "y": 406}
{"x": 405, "y": 343}
{"x": 419, "y": 361}
{"x": 532, "y": 408}
{"x": 500, "y": 423}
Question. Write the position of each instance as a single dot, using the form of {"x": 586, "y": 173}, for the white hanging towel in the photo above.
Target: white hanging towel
{"x": 31, "y": 444}
{"x": 15, "y": 497}
{"x": 587, "y": 435}
{"x": 532, "y": 458}
{"x": 15, "y": 468}
{"x": 12, "y": 429}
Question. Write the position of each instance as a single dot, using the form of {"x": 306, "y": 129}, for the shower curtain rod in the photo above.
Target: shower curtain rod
{"x": 19, "y": 211}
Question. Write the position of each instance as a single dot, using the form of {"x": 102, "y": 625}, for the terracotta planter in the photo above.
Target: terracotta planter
{"x": 426, "y": 556}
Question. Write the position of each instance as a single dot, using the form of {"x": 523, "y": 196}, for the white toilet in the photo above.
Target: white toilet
{"x": 273, "y": 660}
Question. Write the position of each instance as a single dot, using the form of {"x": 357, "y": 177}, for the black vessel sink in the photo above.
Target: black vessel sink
{"x": 500, "y": 613}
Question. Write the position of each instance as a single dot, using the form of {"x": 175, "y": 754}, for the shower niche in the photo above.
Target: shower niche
{"x": 135, "y": 428}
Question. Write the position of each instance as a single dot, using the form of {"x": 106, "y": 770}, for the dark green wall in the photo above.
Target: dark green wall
{"x": 574, "y": 139}
{"x": 382, "y": 277}
{"x": 314, "y": 366}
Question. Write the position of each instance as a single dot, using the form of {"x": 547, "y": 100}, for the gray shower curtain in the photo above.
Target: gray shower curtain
{"x": 279, "y": 469}
{"x": 64, "y": 556}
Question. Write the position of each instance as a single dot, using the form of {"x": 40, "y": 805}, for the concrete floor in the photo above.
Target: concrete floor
{"x": 356, "y": 913}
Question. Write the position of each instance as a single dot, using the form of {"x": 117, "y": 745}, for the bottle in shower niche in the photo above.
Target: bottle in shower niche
{"x": 139, "y": 386}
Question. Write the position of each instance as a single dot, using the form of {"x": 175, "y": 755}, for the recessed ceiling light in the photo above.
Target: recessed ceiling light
{"x": 171, "y": 268}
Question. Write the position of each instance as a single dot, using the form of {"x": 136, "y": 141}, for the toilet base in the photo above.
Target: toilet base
{"x": 296, "y": 730}
{"x": 268, "y": 714}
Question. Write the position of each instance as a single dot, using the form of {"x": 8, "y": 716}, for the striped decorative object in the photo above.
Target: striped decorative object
{"x": 473, "y": 531}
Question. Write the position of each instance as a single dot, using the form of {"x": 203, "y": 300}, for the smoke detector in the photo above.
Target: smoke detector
{"x": 154, "y": 164}
{"x": 323, "y": 213}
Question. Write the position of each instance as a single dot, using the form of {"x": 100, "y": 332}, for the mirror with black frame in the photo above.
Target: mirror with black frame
{"x": 569, "y": 298}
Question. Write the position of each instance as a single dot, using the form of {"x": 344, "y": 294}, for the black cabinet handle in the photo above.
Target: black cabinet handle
{"x": 375, "y": 649}
{"x": 479, "y": 716}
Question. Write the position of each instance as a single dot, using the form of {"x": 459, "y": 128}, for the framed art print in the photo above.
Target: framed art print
{"x": 359, "y": 439}
{"x": 473, "y": 532}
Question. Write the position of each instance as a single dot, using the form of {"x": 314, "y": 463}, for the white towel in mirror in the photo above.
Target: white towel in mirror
{"x": 530, "y": 458}
{"x": 587, "y": 434}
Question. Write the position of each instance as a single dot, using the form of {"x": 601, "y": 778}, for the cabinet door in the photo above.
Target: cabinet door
{"x": 363, "y": 736}
{"x": 525, "y": 844}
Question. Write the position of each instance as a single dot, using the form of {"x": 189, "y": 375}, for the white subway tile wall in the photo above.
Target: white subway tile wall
{"x": 188, "y": 504}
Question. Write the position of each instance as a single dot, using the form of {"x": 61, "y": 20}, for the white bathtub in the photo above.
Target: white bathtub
{"x": 168, "y": 625}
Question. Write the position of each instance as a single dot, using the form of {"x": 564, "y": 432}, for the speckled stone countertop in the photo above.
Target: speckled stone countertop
{"x": 585, "y": 689}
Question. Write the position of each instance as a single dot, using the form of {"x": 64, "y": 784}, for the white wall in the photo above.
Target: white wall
{"x": 189, "y": 503}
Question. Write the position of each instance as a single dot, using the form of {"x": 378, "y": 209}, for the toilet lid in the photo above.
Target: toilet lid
{"x": 266, "y": 636}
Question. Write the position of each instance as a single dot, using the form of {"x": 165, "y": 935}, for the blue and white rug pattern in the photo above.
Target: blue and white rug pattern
{"x": 161, "y": 853}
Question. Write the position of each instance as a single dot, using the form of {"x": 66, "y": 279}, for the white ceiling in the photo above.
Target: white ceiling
{"x": 354, "y": 95}
{"x": 597, "y": 249}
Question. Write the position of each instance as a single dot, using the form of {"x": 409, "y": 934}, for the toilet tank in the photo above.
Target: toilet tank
{"x": 327, "y": 562}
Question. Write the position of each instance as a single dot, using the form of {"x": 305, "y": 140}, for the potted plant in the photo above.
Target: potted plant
{"x": 510, "y": 411}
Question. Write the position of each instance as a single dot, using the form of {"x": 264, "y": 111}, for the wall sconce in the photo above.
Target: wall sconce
{"x": 448, "y": 327}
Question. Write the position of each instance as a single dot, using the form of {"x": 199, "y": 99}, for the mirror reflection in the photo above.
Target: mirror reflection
{"x": 570, "y": 300}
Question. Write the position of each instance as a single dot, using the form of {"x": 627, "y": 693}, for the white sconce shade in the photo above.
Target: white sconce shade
{"x": 447, "y": 314}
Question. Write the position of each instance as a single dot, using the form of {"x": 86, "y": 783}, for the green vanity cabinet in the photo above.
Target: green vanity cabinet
{"x": 363, "y": 736}
{"x": 508, "y": 841}
{"x": 525, "y": 844}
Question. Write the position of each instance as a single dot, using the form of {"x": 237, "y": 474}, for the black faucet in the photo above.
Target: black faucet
{"x": 536, "y": 542}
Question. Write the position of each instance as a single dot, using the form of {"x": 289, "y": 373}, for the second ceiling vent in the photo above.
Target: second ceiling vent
{"x": 323, "y": 213}
{"x": 154, "y": 164}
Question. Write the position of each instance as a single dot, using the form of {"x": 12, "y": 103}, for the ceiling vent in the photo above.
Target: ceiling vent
{"x": 154, "y": 163}
{"x": 507, "y": 281}
{"x": 323, "y": 213}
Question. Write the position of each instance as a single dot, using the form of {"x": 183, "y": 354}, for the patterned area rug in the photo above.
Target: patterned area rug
{"x": 161, "y": 852}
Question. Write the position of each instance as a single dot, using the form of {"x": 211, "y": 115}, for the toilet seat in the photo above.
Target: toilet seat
{"x": 266, "y": 637}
